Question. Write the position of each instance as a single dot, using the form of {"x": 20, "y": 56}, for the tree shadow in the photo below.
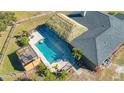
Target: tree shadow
{"x": 15, "y": 62}
{"x": 1, "y": 79}
{"x": 86, "y": 63}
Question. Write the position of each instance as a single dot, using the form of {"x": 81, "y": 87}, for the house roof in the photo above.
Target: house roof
{"x": 120, "y": 16}
{"x": 105, "y": 34}
{"x": 65, "y": 27}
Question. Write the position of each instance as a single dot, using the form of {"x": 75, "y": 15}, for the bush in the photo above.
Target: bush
{"x": 6, "y": 19}
{"x": 24, "y": 41}
{"x": 111, "y": 13}
{"x": 61, "y": 75}
{"x": 44, "y": 72}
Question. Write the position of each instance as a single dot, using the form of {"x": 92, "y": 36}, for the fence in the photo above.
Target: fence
{"x": 4, "y": 48}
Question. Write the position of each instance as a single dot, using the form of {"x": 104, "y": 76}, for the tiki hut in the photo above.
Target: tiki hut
{"x": 65, "y": 27}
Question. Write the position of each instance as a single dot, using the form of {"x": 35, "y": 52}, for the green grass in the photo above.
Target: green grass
{"x": 115, "y": 12}
{"x": 10, "y": 78}
{"x": 119, "y": 58}
{"x": 8, "y": 64}
{"x": 21, "y": 15}
{"x": 31, "y": 24}
{"x": 108, "y": 74}
{"x": 120, "y": 61}
{"x": 6, "y": 67}
{"x": 121, "y": 76}
{"x": 3, "y": 37}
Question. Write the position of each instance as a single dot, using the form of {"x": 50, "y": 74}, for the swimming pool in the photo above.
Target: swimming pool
{"x": 53, "y": 48}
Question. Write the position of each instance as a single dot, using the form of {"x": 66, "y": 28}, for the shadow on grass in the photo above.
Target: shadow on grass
{"x": 1, "y": 79}
{"x": 15, "y": 62}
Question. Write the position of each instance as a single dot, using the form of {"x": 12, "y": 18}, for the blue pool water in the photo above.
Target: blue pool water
{"x": 53, "y": 48}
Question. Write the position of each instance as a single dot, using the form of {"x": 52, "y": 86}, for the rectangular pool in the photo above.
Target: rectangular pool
{"x": 53, "y": 48}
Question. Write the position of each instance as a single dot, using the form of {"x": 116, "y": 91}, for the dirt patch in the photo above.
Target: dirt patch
{"x": 107, "y": 74}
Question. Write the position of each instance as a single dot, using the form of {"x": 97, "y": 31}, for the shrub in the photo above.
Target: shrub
{"x": 61, "y": 75}
{"x": 24, "y": 41}
{"x": 6, "y": 19}
{"x": 44, "y": 72}
{"x": 111, "y": 13}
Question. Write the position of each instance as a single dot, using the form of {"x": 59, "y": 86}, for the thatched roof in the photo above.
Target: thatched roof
{"x": 65, "y": 27}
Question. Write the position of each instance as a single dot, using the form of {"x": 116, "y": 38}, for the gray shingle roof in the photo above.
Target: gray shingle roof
{"x": 104, "y": 35}
{"x": 110, "y": 40}
{"x": 120, "y": 16}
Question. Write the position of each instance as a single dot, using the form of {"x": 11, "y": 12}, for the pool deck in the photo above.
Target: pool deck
{"x": 36, "y": 38}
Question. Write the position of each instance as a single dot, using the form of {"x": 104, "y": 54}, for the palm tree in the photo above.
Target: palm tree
{"x": 77, "y": 54}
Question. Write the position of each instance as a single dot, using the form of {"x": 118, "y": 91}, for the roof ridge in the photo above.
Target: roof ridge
{"x": 109, "y": 27}
{"x": 103, "y": 25}
{"x": 96, "y": 38}
{"x": 96, "y": 51}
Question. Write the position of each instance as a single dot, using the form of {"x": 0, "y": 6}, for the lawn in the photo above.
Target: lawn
{"x": 6, "y": 66}
{"x": 19, "y": 15}
{"x": 121, "y": 76}
{"x": 10, "y": 79}
{"x": 106, "y": 74}
{"x": 31, "y": 24}
{"x": 118, "y": 58}
{"x": 22, "y": 15}
{"x": 115, "y": 12}
{"x": 10, "y": 62}
{"x": 3, "y": 38}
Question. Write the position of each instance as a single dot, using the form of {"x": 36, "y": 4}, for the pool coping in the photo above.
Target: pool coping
{"x": 36, "y": 38}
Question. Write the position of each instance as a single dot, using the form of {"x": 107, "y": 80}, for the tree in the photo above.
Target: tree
{"x": 24, "y": 41}
{"x": 44, "y": 72}
{"x": 77, "y": 54}
{"x": 49, "y": 75}
{"x": 3, "y": 26}
{"x": 61, "y": 75}
{"x": 6, "y": 19}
